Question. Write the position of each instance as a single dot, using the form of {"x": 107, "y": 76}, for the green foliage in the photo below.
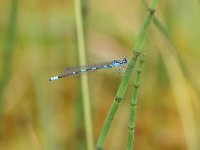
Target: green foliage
{"x": 125, "y": 81}
{"x": 39, "y": 38}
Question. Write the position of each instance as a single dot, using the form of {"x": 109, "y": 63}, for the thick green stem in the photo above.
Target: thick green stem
{"x": 8, "y": 51}
{"x": 124, "y": 83}
{"x": 9, "y": 44}
{"x": 133, "y": 107}
{"x": 84, "y": 78}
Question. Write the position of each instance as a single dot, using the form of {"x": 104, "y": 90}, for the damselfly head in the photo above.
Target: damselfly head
{"x": 125, "y": 61}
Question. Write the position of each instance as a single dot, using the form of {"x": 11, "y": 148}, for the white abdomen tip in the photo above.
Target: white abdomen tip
{"x": 53, "y": 78}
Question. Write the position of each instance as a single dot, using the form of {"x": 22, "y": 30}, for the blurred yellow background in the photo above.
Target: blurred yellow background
{"x": 38, "y": 115}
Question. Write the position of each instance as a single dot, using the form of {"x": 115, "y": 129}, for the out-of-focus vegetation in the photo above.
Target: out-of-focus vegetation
{"x": 39, "y": 40}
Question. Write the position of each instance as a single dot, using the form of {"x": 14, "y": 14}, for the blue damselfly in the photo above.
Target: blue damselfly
{"x": 80, "y": 69}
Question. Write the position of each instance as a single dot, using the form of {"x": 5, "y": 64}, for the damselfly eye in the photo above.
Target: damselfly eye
{"x": 125, "y": 60}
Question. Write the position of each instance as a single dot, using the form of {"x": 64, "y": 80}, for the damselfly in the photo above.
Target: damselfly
{"x": 80, "y": 69}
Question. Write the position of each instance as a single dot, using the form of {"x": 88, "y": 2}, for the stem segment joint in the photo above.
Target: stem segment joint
{"x": 136, "y": 53}
{"x": 131, "y": 129}
{"x": 118, "y": 99}
{"x": 151, "y": 11}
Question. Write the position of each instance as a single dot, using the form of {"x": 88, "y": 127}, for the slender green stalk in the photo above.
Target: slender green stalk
{"x": 45, "y": 113}
{"x": 186, "y": 115}
{"x": 8, "y": 50}
{"x": 143, "y": 33}
{"x": 9, "y": 43}
{"x": 84, "y": 78}
{"x": 133, "y": 107}
{"x": 182, "y": 98}
{"x": 124, "y": 83}
{"x": 184, "y": 106}
{"x": 198, "y": 1}
{"x": 85, "y": 10}
{"x": 184, "y": 68}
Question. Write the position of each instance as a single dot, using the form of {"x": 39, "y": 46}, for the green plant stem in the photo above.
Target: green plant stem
{"x": 45, "y": 113}
{"x": 8, "y": 50}
{"x": 84, "y": 78}
{"x": 85, "y": 10}
{"x": 182, "y": 98}
{"x": 198, "y": 1}
{"x": 9, "y": 44}
{"x": 133, "y": 106}
{"x": 182, "y": 71}
{"x": 124, "y": 83}
{"x": 184, "y": 68}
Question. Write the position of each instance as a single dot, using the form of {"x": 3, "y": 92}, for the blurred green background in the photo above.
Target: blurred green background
{"x": 38, "y": 39}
